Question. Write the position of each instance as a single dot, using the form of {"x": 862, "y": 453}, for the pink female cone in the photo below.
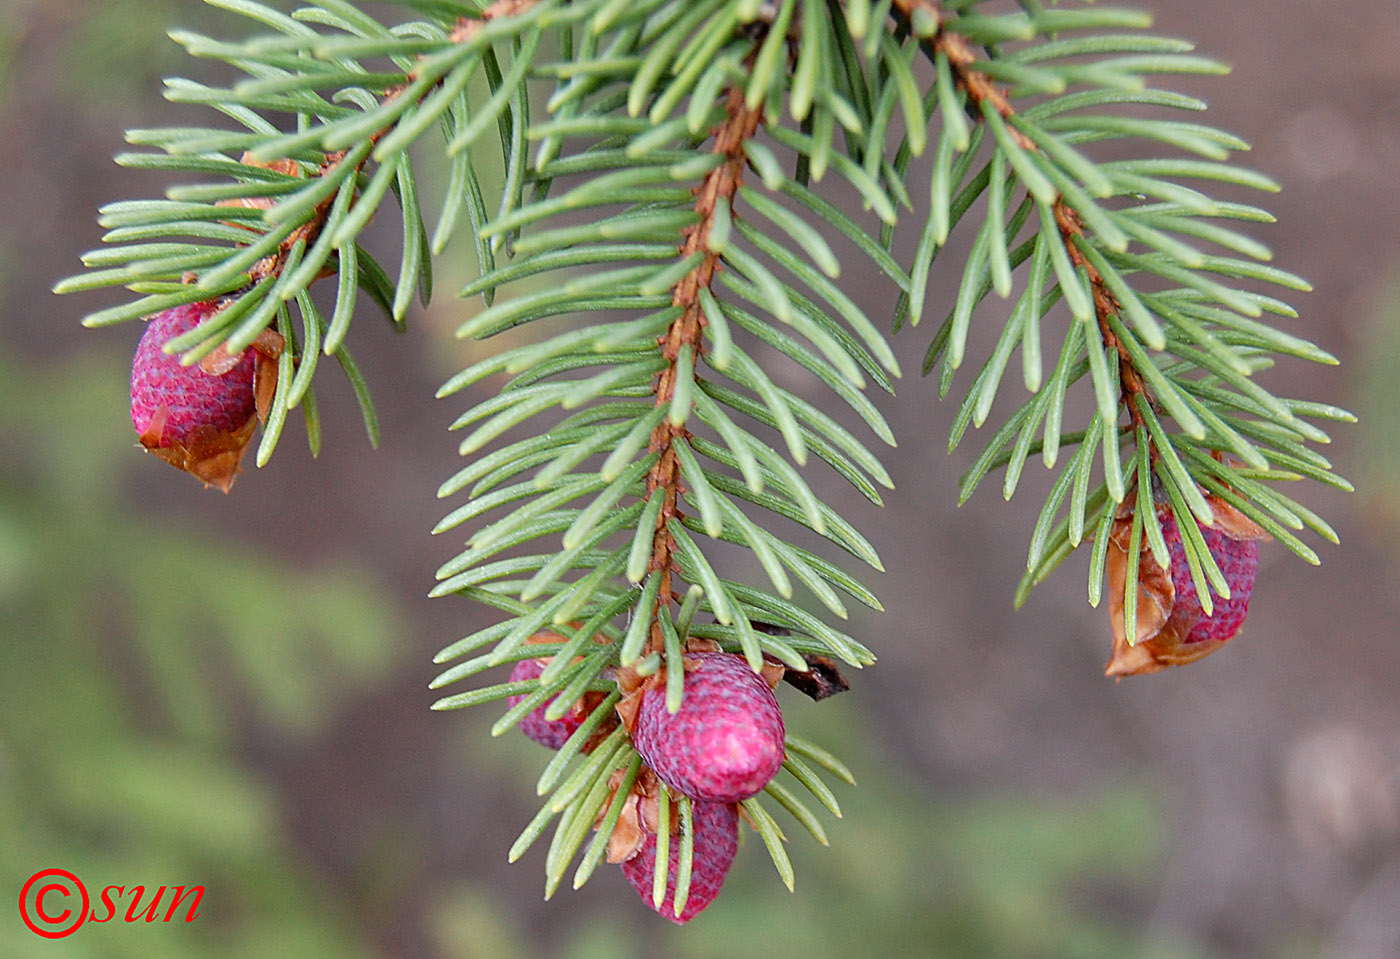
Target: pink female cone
{"x": 1238, "y": 560}
{"x": 725, "y": 743}
{"x": 1172, "y": 626}
{"x": 716, "y": 827}
{"x": 553, "y": 733}
{"x": 198, "y": 418}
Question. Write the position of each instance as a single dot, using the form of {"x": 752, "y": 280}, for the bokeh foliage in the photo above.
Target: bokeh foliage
{"x": 135, "y": 652}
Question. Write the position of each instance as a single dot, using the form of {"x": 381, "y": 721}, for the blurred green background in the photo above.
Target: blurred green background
{"x": 232, "y": 691}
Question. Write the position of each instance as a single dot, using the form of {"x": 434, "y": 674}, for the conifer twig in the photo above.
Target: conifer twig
{"x": 981, "y": 89}
{"x": 464, "y": 30}
{"x": 720, "y": 184}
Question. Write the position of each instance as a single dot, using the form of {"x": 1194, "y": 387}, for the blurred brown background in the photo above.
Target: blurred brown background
{"x": 232, "y": 691}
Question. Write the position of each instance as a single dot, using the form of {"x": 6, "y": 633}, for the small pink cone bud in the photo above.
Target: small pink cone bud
{"x": 725, "y": 743}
{"x": 716, "y": 827}
{"x": 1238, "y": 560}
{"x": 1172, "y": 626}
{"x": 199, "y": 418}
{"x": 553, "y": 733}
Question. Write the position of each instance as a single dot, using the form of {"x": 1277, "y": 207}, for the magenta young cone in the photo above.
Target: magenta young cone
{"x": 199, "y": 418}
{"x": 547, "y": 732}
{"x": 725, "y": 743}
{"x": 716, "y": 827}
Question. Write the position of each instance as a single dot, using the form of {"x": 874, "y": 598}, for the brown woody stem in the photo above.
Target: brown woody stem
{"x": 982, "y": 90}
{"x": 665, "y": 479}
{"x": 464, "y": 30}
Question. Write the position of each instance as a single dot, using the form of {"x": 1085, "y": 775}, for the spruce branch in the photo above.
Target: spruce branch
{"x": 660, "y": 240}
{"x": 683, "y": 343}
{"x": 297, "y": 201}
{"x": 1105, "y": 259}
{"x": 671, "y": 412}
